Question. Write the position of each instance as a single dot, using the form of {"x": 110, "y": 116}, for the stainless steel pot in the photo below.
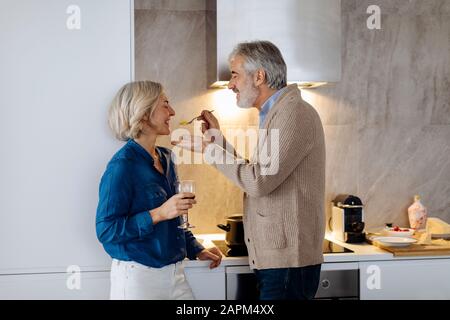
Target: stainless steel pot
{"x": 234, "y": 228}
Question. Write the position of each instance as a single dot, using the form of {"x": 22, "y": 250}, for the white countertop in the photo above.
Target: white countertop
{"x": 205, "y": 240}
{"x": 362, "y": 252}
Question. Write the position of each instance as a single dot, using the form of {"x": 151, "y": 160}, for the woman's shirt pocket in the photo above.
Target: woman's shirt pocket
{"x": 150, "y": 196}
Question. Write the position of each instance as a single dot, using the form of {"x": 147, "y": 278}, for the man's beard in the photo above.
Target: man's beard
{"x": 248, "y": 95}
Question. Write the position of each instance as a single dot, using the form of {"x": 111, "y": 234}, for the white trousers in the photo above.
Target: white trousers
{"x": 133, "y": 281}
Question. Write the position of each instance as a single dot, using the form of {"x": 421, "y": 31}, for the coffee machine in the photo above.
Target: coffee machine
{"x": 347, "y": 219}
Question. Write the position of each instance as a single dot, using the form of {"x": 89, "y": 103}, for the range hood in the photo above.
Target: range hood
{"x": 308, "y": 33}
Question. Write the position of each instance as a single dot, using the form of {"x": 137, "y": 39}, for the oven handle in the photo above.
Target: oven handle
{"x": 340, "y": 266}
{"x": 325, "y": 267}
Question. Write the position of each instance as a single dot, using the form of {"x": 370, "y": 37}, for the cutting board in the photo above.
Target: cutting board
{"x": 415, "y": 250}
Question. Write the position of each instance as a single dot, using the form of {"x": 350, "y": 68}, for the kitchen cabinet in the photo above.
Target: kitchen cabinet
{"x": 241, "y": 283}
{"x": 236, "y": 281}
{"x": 390, "y": 279}
{"x": 206, "y": 284}
{"x": 405, "y": 279}
{"x": 55, "y": 286}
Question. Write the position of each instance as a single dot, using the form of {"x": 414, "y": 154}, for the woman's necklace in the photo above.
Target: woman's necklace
{"x": 157, "y": 163}
{"x": 154, "y": 156}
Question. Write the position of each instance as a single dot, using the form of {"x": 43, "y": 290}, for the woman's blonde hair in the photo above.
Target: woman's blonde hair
{"x": 133, "y": 101}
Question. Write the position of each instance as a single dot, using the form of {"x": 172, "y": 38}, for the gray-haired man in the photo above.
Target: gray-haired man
{"x": 283, "y": 212}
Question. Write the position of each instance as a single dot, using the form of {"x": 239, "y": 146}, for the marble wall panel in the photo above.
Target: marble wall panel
{"x": 387, "y": 122}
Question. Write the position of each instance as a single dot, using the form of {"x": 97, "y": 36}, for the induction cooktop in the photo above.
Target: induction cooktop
{"x": 328, "y": 247}
{"x": 332, "y": 247}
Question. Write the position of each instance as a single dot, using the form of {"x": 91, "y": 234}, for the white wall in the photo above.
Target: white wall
{"x": 55, "y": 87}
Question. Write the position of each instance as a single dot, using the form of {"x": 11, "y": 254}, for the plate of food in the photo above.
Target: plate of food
{"x": 395, "y": 241}
{"x": 396, "y": 231}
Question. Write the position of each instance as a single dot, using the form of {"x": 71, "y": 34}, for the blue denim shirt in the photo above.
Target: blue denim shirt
{"x": 267, "y": 106}
{"x": 129, "y": 188}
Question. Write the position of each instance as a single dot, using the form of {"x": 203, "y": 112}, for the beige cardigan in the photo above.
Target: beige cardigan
{"x": 284, "y": 218}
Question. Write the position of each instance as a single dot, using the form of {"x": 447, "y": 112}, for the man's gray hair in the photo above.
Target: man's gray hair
{"x": 263, "y": 55}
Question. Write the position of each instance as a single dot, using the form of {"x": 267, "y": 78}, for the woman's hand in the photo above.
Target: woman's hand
{"x": 211, "y": 254}
{"x": 177, "y": 205}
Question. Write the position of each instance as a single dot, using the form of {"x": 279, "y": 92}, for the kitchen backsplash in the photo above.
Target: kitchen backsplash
{"x": 387, "y": 122}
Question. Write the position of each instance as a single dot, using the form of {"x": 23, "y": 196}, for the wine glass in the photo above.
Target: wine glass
{"x": 186, "y": 186}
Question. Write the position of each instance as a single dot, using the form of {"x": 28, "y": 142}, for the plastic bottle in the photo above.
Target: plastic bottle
{"x": 417, "y": 214}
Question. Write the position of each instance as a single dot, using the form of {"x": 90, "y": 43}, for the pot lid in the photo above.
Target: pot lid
{"x": 234, "y": 217}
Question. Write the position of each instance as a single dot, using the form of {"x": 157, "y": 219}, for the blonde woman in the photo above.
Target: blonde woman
{"x": 138, "y": 211}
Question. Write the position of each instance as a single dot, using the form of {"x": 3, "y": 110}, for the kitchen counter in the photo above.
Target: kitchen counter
{"x": 381, "y": 275}
{"x": 362, "y": 252}
{"x": 206, "y": 241}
